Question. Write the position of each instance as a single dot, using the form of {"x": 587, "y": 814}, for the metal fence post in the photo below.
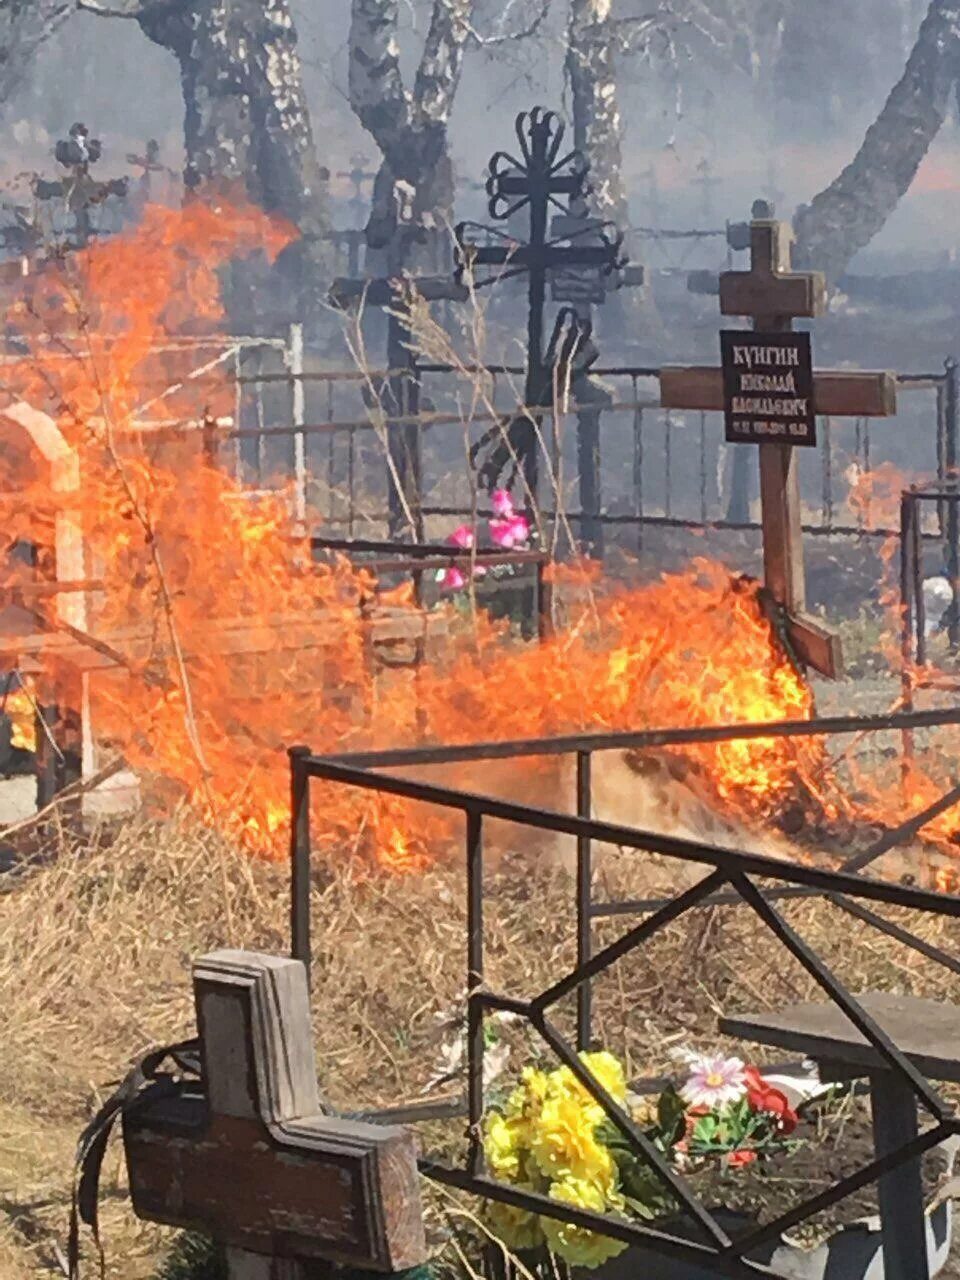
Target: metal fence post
{"x": 544, "y": 603}
{"x": 300, "y": 857}
{"x": 298, "y": 418}
{"x": 637, "y": 462}
{"x": 951, "y": 426}
{"x": 908, "y": 513}
{"x": 475, "y": 1042}
{"x": 584, "y": 900}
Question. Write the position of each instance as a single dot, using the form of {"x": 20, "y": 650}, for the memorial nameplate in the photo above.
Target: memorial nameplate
{"x": 768, "y": 388}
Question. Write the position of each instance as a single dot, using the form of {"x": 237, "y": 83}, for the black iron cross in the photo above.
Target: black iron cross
{"x": 80, "y": 190}
{"x": 149, "y": 164}
{"x": 542, "y": 178}
{"x": 358, "y": 176}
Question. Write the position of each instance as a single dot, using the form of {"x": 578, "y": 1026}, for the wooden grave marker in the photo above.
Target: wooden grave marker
{"x": 394, "y": 293}
{"x": 251, "y": 1160}
{"x": 773, "y": 296}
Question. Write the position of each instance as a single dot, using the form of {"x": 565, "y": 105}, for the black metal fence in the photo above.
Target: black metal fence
{"x": 414, "y": 560}
{"x": 653, "y": 469}
{"x": 733, "y": 877}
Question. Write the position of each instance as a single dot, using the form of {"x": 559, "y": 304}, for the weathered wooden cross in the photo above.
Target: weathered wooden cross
{"x": 392, "y": 292}
{"x": 584, "y": 288}
{"x": 706, "y": 181}
{"x": 150, "y": 166}
{"x": 773, "y": 296}
{"x": 251, "y": 1160}
{"x": 359, "y": 177}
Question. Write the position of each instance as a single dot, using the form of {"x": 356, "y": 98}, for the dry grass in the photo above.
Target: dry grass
{"x": 95, "y": 954}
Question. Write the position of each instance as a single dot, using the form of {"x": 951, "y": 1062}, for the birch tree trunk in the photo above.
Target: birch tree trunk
{"x": 246, "y": 117}
{"x": 597, "y": 130}
{"x": 409, "y": 127}
{"x": 846, "y": 216}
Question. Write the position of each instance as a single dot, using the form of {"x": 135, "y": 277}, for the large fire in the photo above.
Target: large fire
{"x": 235, "y": 644}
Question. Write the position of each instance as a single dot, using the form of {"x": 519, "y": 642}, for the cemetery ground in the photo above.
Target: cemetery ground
{"x": 96, "y": 947}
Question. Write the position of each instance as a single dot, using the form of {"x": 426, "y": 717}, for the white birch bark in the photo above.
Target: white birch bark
{"x": 597, "y": 127}
{"x": 409, "y": 126}
{"x": 24, "y": 26}
{"x": 246, "y": 117}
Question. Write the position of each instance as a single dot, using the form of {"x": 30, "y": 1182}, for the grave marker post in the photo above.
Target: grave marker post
{"x": 773, "y": 296}
{"x": 251, "y": 1160}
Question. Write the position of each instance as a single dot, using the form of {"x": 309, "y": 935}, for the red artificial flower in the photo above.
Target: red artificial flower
{"x": 739, "y": 1159}
{"x": 762, "y": 1096}
{"x": 754, "y": 1080}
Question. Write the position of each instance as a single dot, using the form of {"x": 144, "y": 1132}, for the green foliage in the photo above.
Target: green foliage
{"x": 194, "y": 1257}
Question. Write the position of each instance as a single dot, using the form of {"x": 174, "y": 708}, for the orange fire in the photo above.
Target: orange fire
{"x": 235, "y": 645}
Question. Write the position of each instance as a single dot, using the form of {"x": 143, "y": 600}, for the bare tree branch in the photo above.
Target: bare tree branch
{"x": 25, "y": 25}
{"x": 135, "y": 9}
{"x": 531, "y": 28}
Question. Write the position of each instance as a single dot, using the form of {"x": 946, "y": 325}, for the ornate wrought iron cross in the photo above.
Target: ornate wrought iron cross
{"x": 544, "y": 176}
{"x": 80, "y": 190}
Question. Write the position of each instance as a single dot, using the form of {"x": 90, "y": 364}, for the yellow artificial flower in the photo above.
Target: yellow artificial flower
{"x": 525, "y": 1102}
{"x": 564, "y": 1142}
{"x": 577, "y": 1245}
{"x": 609, "y": 1073}
{"x": 516, "y": 1228}
{"x": 502, "y": 1143}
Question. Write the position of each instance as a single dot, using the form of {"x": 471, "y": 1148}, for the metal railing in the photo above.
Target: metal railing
{"x": 414, "y": 559}
{"x": 732, "y": 878}
{"x": 657, "y": 470}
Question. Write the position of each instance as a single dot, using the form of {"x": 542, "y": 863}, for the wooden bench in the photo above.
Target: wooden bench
{"x": 927, "y": 1033}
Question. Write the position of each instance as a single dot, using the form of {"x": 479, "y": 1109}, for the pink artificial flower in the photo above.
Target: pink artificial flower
{"x": 453, "y": 579}
{"x": 501, "y": 504}
{"x": 714, "y": 1081}
{"x": 461, "y": 537}
{"x": 511, "y": 532}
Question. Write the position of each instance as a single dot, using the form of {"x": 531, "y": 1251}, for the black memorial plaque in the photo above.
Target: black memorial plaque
{"x": 768, "y": 388}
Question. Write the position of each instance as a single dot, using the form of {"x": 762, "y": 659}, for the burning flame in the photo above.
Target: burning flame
{"x": 229, "y": 643}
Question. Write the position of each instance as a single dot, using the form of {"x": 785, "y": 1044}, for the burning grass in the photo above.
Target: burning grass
{"x": 95, "y": 949}
{"x": 230, "y": 643}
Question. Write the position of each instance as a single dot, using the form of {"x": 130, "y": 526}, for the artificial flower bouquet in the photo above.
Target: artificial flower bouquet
{"x": 507, "y": 529}
{"x": 551, "y": 1136}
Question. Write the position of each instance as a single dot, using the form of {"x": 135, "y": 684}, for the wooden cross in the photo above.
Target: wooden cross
{"x": 251, "y": 1160}
{"x": 772, "y": 295}
{"x": 149, "y": 165}
{"x": 586, "y": 287}
{"x": 358, "y": 176}
{"x": 653, "y": 197}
